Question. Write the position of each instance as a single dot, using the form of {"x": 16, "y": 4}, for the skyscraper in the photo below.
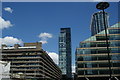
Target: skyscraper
{"x": 65, "y": 51}
{"x": 97, "y": 22}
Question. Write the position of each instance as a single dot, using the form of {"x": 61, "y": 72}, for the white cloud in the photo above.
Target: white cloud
{"x": 8, "y": 40}
{"x": 8, "y": 9}
{"x": 44, "y": 37}
{"x": 54, "y": 56}
{"x": 4, "y": 24}
{"x": 44, "y": 42}
{"x": 73, "y": 68}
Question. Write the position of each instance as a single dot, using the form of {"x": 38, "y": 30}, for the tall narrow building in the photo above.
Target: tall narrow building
{"x": 97, "y": 22}
{"x": 65, "y": 52}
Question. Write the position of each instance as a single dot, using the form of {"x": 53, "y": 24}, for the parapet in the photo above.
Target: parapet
{"x": 37, "y": 44}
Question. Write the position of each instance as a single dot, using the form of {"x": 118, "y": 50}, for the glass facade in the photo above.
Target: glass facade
{"x": 97, "y": 22}
{"x": 65, "y": 51}
{"x": 92, "y": 55}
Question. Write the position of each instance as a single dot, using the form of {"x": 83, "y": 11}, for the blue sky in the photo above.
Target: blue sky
{"x": 29, "y": 19}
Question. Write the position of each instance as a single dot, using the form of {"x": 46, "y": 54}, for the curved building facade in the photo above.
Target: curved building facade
{"x": 97, "y": 22}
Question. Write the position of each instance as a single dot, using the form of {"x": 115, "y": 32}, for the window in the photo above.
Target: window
{"x": 93, "y": 51}
{"x": 87, "y": 58}
{"x": 104, "y": 65}
{"x": 92, "y": 44}
{"x": 95, "y": 72}
{"x": 115, "y": 57}
{"x": 102, "y": 57}
{"x": 114, "y": 31}
{"x": 104, "y": 71}
{"x": 116, "y": 64}
{"x": 102, "y": 44}
{"x": 115, "y": 44}
{"x": 80, "y": 72}
{"x": 89, "y": 72}
{"x": 99, "y": 38}
{"x": 80, "y": 58}
{"x": 102, "y": 51}
{"x": 94, "y": 65}
{"x": 80, "y": 65}
{"x": 114, "y": 37}
{"x": 117, "y": 71}
{"x": 115, "y": 50}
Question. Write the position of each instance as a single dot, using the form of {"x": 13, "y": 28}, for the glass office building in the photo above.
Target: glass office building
{"x": 65, "y": 52}
{"x": 92, "y": 55}
{"x": 97, "y": 22}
